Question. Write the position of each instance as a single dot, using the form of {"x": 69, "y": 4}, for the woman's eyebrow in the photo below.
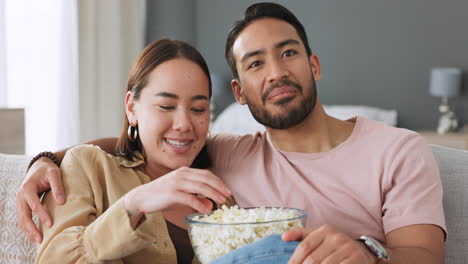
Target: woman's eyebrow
{"x": 166, "y": 94}
{"x": 199, "y": 97}
{"x": 175, "y": 96}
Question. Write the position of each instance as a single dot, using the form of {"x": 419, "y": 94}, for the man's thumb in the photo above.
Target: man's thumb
{"x": 296, "y": 234}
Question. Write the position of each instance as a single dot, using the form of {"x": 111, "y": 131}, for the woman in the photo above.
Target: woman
{"x": 130, "y": 208}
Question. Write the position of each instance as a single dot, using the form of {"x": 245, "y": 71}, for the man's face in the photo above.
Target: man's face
{"x": 276, "y": 77}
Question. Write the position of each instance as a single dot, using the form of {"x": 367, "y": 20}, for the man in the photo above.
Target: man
{"x": 354, "y": 177}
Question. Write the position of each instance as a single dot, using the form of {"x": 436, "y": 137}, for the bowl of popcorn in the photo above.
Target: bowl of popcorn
{"x": 227, "y": 229}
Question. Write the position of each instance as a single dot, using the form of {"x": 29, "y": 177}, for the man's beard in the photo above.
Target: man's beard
{"x": 290, "y": 118}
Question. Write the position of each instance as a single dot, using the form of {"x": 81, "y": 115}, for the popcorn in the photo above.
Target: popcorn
{"x": 227, "y": 229}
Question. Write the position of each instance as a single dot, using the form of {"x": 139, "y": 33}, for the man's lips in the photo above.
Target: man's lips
{"x": 281, "y": 93}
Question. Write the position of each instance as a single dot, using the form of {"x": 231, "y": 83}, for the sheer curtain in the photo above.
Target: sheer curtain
{"x": 111, "y": 37}
{"x": 41, "y": 70}
{"x": 3, "y": 91}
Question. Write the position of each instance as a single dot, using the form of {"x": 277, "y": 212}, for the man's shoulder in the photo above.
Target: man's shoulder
{"x": 232, "y": 142}
{"x": 384, "y": 133}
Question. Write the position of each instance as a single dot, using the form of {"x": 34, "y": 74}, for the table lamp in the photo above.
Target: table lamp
{"x": 445, "y": 83}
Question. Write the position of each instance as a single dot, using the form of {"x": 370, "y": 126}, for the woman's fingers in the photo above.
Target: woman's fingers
{"x": 203, "y": 189}
{"x": 200, "y": 204}
{"x": 206, "y": 177}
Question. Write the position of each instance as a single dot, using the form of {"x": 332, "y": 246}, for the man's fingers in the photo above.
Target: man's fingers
{"x": 310, "y": 241}
{"x": 296, "y": 234}
{"x": 55, "y": 181}
{"x": 35, "y": 204}
{"x": 25, "y": 222}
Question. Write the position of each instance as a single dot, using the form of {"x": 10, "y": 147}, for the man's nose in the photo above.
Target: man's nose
{"x": 277, "y": 71}
{"x": 182, "y": 121}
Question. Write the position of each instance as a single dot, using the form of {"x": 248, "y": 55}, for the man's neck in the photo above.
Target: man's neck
{"x": 319, "y": 132}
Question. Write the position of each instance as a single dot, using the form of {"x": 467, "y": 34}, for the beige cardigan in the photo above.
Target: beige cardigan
{"x": 92, "y": 226}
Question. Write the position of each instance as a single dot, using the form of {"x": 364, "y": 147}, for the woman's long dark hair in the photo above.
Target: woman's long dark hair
{"x": 154, "y": 54}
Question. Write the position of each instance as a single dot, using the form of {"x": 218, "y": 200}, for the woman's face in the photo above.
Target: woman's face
{"x": 173, "y": 114}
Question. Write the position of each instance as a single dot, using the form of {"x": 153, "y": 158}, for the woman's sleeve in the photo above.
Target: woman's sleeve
{"x": 80, "y": 234}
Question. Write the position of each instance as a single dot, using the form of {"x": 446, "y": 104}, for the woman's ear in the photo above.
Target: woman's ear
{"x": 237, "y": 90}
{"x": 130, "y": 108}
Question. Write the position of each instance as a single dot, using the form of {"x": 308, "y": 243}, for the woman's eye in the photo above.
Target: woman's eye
{"x": 198, "y": 110}
{"x": 289, "y": 53}
{"x": 255, "y": 64}
{"x": 165, "y": 107}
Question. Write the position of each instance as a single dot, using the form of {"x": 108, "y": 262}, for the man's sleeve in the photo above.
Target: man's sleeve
{"x": 413, "y": 189}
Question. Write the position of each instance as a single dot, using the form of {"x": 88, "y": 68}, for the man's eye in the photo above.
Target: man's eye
{"x": 289, "y": 53}
{"x": 198, "y": 110}
{"x": 255, "y": 64}
{"x": 165, "y": 107}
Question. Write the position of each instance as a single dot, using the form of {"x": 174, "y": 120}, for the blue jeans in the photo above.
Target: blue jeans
{"x": 268, "y": 250}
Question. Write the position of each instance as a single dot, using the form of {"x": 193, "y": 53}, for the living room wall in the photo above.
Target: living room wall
{"x": 376, "y": 53}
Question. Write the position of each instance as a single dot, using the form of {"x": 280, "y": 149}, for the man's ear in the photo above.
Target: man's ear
{"x": 315, "y": 66}
{"x": 130, "y": 108}
{"x": 237, "y": 91}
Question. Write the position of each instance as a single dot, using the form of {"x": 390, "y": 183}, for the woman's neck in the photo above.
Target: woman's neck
{"x": 154, "y": 171}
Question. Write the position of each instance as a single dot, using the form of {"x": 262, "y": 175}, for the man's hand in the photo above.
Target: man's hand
{"x": 325, "y": 245}
{"x": 42, "y": 176}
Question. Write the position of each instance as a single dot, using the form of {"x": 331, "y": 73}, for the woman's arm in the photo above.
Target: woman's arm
{"x": 42, "y": 176}
{"x": 83, "y": 230}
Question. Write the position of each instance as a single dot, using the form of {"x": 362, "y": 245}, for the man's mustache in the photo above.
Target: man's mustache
{"x": 280, "y": 84}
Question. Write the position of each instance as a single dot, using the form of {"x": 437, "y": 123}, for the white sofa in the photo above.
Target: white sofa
{"x": 453, "y": 164}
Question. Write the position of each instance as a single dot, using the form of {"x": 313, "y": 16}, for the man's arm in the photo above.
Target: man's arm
{"x": 416, "y": 244}
{"x": 42, "y": 176}
{"x": 410, "y": 244}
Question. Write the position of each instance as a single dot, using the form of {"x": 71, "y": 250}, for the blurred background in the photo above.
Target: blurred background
{"x": 64, "y": 63}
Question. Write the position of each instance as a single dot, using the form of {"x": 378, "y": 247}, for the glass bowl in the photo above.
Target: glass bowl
{"x": 231, "y": 228}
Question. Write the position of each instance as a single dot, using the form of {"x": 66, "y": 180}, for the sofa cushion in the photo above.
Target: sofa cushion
{"x": 453, "y": 165}
{"x": 15, "y": 247}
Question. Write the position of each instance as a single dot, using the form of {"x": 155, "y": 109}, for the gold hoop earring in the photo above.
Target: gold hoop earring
{"x": 132, "y": 133}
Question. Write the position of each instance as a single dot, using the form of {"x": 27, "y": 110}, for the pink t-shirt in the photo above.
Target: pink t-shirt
{"x": 381, "y": 178}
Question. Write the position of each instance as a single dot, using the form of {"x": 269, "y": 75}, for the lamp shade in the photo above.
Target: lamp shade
{"x": 445, "y": 82}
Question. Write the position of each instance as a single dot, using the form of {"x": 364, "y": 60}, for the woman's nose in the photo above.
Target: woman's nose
{"x": 182, "y": 121}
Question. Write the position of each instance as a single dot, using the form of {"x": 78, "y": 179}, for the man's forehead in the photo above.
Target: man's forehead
{"x": 262, "y": 34}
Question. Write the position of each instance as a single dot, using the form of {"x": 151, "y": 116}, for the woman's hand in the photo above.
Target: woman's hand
{"x": 176, "y": 189}
{"x": 42, "y": 176}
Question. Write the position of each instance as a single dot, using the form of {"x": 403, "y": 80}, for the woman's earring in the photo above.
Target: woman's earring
{"x": 132, "y": 133}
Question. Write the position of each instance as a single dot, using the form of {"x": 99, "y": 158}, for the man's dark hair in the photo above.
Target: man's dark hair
{"x": 257, "y": 11}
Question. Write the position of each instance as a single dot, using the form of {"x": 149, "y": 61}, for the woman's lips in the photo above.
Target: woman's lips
{"x": 179, "y": 145}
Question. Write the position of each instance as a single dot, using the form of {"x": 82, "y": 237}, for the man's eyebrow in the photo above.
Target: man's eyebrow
{"x": 251, "y": 54}
{"x": 286, "y": 42}
{"x": 277, "y": 46}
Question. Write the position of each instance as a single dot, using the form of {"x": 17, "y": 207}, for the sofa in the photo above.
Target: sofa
{"x": 453, "y": 164}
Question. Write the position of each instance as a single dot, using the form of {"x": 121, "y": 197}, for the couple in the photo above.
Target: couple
{"x": 354, "y": 177}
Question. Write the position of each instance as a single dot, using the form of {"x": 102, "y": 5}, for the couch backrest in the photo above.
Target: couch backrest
{"x": 453, "y": 165}
{"x": 15, "y": 247}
